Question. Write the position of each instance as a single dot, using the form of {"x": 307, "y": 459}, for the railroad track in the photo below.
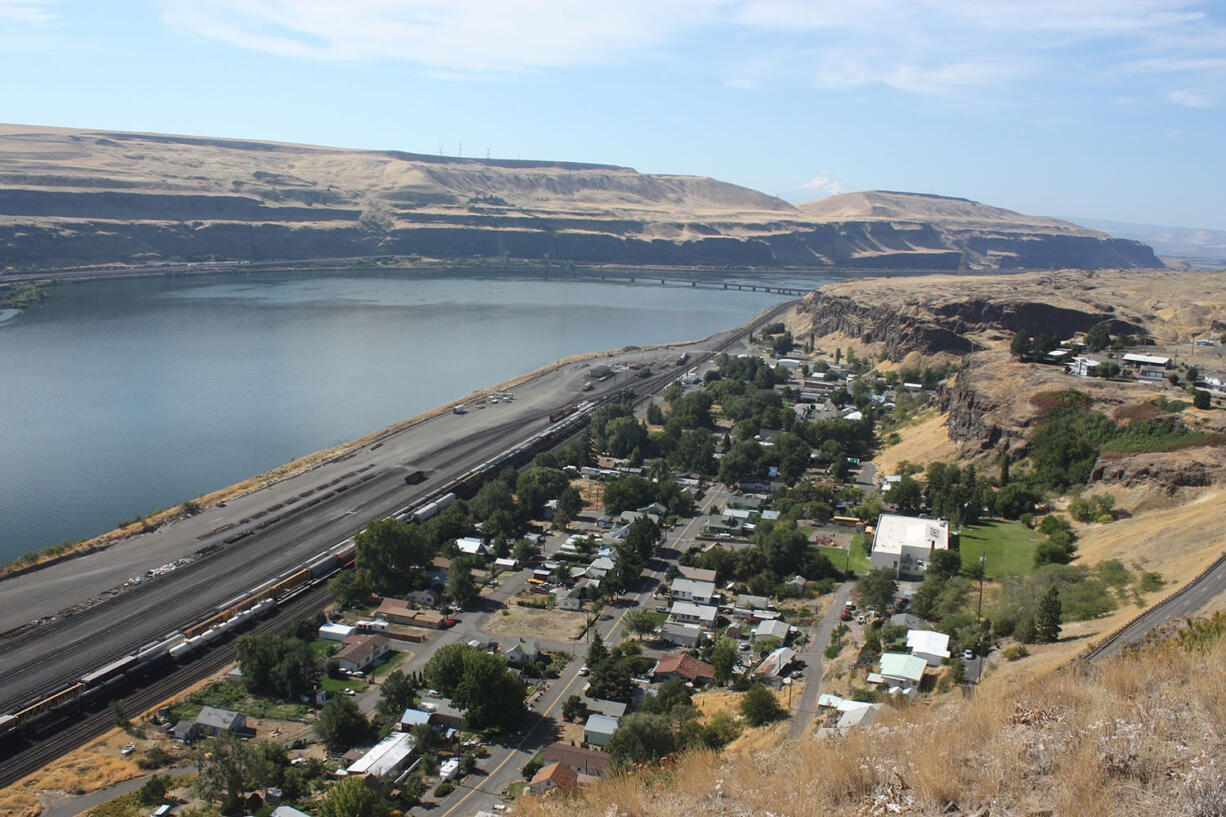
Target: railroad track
{"x": 59, "y": 735}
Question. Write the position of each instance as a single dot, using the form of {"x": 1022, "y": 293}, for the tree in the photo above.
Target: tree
{"x": 396, "y": 694}
{"x": 525, "y": 551}
{"x": 945, "y": 564}
{"x": 906, "y": 494}
{"x": 760, "y": 707}
{"x": 154, "y": 790}
{"x": 1200, "y": 399}
{"x": 1048, "y": 619}
{"x": 641, "y": 738}
{"x": 643, "y": 536}
{"x": 341, "y": 725}
{"x": 723, "y": 659}
{"x": 574, "y": 709}
{"x": 228, "y": 766}
{"x": 641, "y": 622}
{"x": 352, "y": 797}
{"x": 1020, "y": 346}
{"x": 1097, "y": 338}
{"x": 479, "y": 683}
{"x": 275, "y": 665}
{"x": 461, "y": 588}
{"x": 389, "y": 552}
{"x": 878, "y": 588}
{"x": 655, "y": 415}
{"x": 570, "y": 503}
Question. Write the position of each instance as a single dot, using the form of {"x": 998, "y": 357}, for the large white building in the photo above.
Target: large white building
{"x": 906, "y": 543}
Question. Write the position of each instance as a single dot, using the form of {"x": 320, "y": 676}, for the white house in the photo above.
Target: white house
{"x": 683, "y": 635}
{"x": 906, "y": 543}
{"x": 684, "y": 612}
{"x": 362, "y": 651}
{"x": 772, "y": 629}
{"x": 929, "y": 645}
{"x": 775, "y": 663}
{"x": 598, "y": 729}
{"x": 471, "y": 546}
{"x": 1083, "y": 366}
{"x": 690, "y": 590}
{"x": 1214, "y": 381}
{"x": 387, "y": 756}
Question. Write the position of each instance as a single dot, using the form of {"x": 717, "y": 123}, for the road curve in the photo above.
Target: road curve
{"x": 1183, "y": 603}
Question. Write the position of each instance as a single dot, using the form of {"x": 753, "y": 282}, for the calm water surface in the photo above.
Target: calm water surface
{"x": 119, "y": 397}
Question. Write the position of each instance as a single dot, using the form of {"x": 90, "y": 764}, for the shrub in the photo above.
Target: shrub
{"x": 443, "y": 789}
{"x": 1016, "y": 652}
{"x": 1151, "y": 581}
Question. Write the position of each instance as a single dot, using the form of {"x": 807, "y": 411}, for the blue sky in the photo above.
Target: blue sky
{"x": 1099, "y": 108}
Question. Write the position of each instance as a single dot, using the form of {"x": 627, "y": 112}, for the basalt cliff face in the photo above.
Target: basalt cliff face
{"x": 73, "y": 197}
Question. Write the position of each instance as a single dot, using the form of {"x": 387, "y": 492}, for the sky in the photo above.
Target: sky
{"x": 1110, "y": 109}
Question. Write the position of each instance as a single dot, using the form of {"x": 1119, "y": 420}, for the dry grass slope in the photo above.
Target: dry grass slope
{"x": 1134, "y": 736}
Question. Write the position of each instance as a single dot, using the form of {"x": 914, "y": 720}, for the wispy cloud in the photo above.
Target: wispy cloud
{"x": 1189, "y": 99}
{"x": 475, "y": 36}
{"x": 825, "y": 184}
{"x": 914, "y": 46}
{"x": 26, "y": 12}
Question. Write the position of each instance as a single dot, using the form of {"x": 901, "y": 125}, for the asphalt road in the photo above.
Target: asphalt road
{"x": 819, "y": 639}
{"x": 60, "y": 648}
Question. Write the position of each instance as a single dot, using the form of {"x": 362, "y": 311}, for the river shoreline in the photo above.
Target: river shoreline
{"x": 58, "y": 553}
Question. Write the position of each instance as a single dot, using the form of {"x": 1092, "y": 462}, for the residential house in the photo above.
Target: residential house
{"x": 571, "y": 599}
{"x": 776, "y": 663}
{"x": 471, "y": 546}
{"x": 684, "y": 612}
{"x": 429, "y": 597}
{"x": 413, "y": 717}
{"x": 361, "y": 652}
{"x": 690, "y": 590}
{"x": 386, "y": 757}
{"x": 747, "y": 602}
{"x": 772, "y": 628}
{"x": 599, "y": 568}
{"x": 697, "y": 574}
{"x": 931, "y": 646}
{"x": 442, "y": 713}
{"x": 401, "y": 612}
{"x": 862, "y": 715}
{"x": 1083, "y": 366}
{"x": 288, "y": 811}
{"x": 901, "y": 672}
{"x": 335, "y": 632}
{"x": 583, "y": 761}
{"x": 522, "y": 651}
{"x": 437, "y": 571}
{"x": 598, "y": 729}
{"x": 685, "y": 667}
{"x": 683, "y": 635}
{"x": 1214, "y": 381}
{"x": 614, "y": 709}
{"x": 1147, "y": 367}
{"x": 553, "y": 776}
{"x": 213, "y": 722}
{"x": 906, "y": 543}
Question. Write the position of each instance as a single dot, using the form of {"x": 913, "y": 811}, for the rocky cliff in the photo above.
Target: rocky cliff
{"x": 73, "y": 197}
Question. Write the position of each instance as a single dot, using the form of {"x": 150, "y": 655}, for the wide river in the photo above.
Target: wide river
{"x": 120, "y": 397}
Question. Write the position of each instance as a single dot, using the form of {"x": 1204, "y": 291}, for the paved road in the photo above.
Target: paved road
{"x": 69, "y": 646}
{"x": 802, "y": 713}
{"x": 1184, "y": 603}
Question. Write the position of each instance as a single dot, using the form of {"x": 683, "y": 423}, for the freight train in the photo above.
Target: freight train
{"x": 102, "y": 683}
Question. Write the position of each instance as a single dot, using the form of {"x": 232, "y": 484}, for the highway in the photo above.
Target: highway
{"x": 86, "y": 616}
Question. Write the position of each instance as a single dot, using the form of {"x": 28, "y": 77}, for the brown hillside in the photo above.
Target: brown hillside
{"x": 75, "y": 196}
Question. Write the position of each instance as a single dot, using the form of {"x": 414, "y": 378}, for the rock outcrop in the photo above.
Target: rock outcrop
{"x": 77, "y": 197}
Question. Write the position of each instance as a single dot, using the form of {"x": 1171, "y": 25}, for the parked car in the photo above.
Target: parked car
{"x": 743, "y": 646}
{"x": 968, "y": 655}
{"x": 584, "y": 671}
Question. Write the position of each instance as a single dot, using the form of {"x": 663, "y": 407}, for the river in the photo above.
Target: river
{"x": 123, "y": 396}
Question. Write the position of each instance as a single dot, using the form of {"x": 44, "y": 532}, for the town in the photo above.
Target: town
{"x": 724, "y": 559}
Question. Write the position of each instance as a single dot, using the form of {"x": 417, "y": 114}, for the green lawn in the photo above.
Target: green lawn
{"x": 337, "y": 684}
{"x": 859, "y": 555}
{"x": 1009, "y": 547}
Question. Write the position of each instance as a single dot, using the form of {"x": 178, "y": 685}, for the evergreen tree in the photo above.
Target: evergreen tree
{"x": 1050, "y": 610}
